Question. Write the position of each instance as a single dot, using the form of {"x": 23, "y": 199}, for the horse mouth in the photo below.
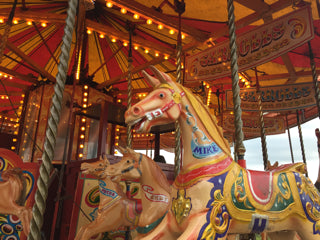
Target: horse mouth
{"x": 138, "y": 124}
{"x": 115, "y": 178}
{"x": 85, "y": 171}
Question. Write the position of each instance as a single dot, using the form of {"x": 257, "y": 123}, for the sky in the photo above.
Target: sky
{"x": 278, "y": 149}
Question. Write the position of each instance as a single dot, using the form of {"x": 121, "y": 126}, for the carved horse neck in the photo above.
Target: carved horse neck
{"x": 152, "y": 177}
{"x": 155, "y": 191}
{"x": 110, "y": 192}
{"x": 203, "y": 141}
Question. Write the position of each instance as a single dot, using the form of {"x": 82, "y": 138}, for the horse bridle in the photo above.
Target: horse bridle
{"x": 176, "y": 99}
{"x": 135, "y": 166}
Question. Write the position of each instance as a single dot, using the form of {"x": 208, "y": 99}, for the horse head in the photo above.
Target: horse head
{"x": 161, "y": 106}
{"x": 96, "y": 168}
{"x": 128, "y": 167}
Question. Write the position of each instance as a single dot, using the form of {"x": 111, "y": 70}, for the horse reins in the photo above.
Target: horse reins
{"x": 135, "y": 166}
{"x": 176, "y": 99}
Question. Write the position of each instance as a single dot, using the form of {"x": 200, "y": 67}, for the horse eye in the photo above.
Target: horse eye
{"x": 161, "y": 95}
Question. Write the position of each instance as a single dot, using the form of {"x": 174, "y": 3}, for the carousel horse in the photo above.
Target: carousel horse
{"x": 116, "y": 209}
{"x": 13, "y": 196}
{"x": 213, "y": 195}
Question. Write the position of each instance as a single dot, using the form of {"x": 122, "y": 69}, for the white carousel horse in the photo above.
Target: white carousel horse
{"x": 116, "y": 209}
{"x": 213, "y": 195}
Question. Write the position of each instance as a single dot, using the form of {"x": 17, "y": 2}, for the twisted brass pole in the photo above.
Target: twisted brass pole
{"x": 301, "y": 140}
{"x": 314, "y": 78}
{"x": 261, "y": 119}
{"x": 51, "y": 132}
{"x": 177, "y": 156}
{"x": 289, "y": 136}
{"x": 129, "y": 78}
{"x": 239, "y": 147}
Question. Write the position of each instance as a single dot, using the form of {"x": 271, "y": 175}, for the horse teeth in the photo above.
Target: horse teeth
{"x": 134, "y": 122}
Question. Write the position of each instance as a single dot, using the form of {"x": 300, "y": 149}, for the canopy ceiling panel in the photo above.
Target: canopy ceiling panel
{"x": 101, "y": 37}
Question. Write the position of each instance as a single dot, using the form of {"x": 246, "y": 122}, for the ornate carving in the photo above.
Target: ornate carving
{"x": 219, "y": 217}
{"x": 181, "y": 206}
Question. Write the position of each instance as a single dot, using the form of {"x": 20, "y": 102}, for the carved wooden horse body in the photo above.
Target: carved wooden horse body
{"x": 13, "y": 196}
{"x": 115, "y": 208}
{"x": 213, "y": 195}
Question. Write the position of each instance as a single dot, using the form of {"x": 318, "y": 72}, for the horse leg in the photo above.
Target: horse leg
{"x": 162, "y": 231}
{"x": 104, "y": 223}
{"x": 305, "y": 231}
{"x": 80, "y": 232}
{"x": 23, "y": 213}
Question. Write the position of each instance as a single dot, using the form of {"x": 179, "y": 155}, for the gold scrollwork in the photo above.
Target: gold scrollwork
{"x": 306, "y": 187}
{"x": 240, "y": 193}
{"x": 217, "y": 224}
{"x": 287, "y": 191}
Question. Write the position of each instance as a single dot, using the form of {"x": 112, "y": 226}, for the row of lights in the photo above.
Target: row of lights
{"x": 117, "y": 136}
{"x": 6, "y": 97}
{"x": 17, "y": 20}
{"x": 140, "y": 96}
{"x": 26, "y": 145}
{"x": 113, "y": 39}
{"x": 83, "y": 122}
{"x": 5, "y": 75}
{"x": 244, "y": 80}
{"x": 148, "y": 20}
{"x": 207, "y": 86}
{"x": 126, "y": 43}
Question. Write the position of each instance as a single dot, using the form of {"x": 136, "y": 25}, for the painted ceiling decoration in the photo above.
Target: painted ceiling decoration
{"x": 32, "y": 31}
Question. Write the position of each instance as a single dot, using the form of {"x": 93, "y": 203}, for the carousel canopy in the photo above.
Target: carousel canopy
{"x": 32, "y": 31}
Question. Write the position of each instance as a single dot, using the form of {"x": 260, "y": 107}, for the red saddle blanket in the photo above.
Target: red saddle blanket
{"x": 260, "y": 184}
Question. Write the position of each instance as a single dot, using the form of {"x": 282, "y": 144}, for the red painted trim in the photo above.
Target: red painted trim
{"x": 205, "y": 171}
{"x": 242, "y": 163}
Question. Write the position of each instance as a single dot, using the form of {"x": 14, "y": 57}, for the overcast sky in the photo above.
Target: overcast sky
{"x": 279, "y": 149}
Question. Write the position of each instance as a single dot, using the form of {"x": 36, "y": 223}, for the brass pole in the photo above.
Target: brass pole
{"x": 180, "y": 8}
{"x": 51, "y": 132}
{"x": 129, "y": 78}
{"x": 261, "y": 119}
{"x": 239, "y": 147}
{"x": 301, "y": 141}
{"x": 314, "y": 78}
{"x": 289, "y": 136}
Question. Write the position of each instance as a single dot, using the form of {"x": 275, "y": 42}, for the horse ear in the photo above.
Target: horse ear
{"x": 121, "y": 150}
{"x": 105, "y": 159}
{"x": 130, "y": 151}
{"x": 163, "y": 77}
{"x": 153, "y": 81}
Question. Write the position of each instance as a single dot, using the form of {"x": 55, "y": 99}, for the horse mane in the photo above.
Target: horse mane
{"x": 208, "y": 120}
{"x": 17, "y": 174}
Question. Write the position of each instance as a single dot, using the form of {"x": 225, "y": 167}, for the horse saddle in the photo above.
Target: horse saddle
{"x": 260, "y": 182}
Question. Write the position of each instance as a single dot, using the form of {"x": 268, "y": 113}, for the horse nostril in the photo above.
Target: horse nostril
{"x": 136, "y": 110}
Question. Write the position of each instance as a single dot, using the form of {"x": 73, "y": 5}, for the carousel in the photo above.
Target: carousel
{"x": 92, "y": 90}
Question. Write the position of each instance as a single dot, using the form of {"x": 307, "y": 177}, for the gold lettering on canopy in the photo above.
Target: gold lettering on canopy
{"x": 275, "y": 98}
{"x": 255, "y": 47}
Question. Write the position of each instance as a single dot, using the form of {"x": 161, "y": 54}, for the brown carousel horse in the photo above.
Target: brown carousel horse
{"x": 213, "y": 195}
{"x": 13, "y": 196}
{"x": 116, "y": 209}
